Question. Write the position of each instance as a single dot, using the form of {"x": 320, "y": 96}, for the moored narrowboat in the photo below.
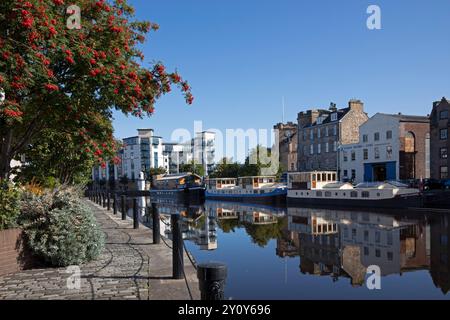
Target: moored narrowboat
{"x": 257, "y": 189}
{"x": 320, "y": 189}
{"x": 186, "y": 187}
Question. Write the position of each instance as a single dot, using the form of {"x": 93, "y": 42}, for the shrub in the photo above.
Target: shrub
{"x": 9, "y": 205}
{"x": 59, "y": 228}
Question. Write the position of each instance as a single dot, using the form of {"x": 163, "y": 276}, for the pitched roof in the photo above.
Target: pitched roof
{"x": 327, "y": 114}
{"x": 408, "y": 118}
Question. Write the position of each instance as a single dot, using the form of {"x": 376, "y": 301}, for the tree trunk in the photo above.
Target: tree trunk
{"x": 5, "y": 155}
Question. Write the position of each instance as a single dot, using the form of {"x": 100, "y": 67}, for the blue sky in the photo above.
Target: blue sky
{"x": 242, "y": 56}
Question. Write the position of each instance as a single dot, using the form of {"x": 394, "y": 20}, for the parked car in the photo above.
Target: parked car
{"x": 446, "y": 184}
{"x": 411, "y": 183}
{"x": 432, "y": 184}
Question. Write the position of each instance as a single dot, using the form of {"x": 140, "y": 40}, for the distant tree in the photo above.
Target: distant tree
{"x": 226, "y": 168}
{"x": 229, "y": 225}
{"x": 155, "y": 172}
{"x": 262, "y": 234}
{"x": 193, "y": 168}
{"x": 253, "y": 165}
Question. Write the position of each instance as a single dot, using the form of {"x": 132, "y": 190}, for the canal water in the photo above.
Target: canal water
{"x": 298, "y": 253}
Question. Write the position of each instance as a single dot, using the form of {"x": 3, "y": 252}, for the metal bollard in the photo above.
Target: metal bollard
{"x": 104, "y": 199}
{"x": 177, "y": 247}
{"x": 115, "y": 203}
{"x": 212, "y": 277}
{"x": 124, "y": 207}
{"x": 97, "y": 197}
{"x": 156, "y": 225}
{"x": 135, "y": 214}
{"x": 108, "y": 197}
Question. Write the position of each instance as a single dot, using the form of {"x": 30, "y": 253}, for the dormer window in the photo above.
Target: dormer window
{"x": 334, "y": 116}
{"x": 319, "y": 120}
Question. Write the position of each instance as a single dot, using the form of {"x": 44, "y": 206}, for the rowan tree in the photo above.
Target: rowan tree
{"x": 54, "y": 77}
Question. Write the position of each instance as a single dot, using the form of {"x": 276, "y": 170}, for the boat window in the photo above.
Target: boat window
{"x": 313, "y": 177}
{"x": 365, "y": 194}
{"x": 324, "y": 177}
{"x": 329, "y": 177}
{"x": 334, "y": 176}
{"x": 327, "y": 194}
{"x": 318, "y": 177}
{"x": 354, "y": 194}
{"x": 319, "y": 193}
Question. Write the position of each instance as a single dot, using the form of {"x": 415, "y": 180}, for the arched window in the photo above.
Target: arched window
{"x": 410, "y": 142}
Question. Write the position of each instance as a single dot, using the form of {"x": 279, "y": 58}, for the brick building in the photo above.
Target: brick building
{"x": 390, "y": 147}
{"x": 440, "y": 143}
{"x": 320, "y": 132}
{"x": 287, "y": 146}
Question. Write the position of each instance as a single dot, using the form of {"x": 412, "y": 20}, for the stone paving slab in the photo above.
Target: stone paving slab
{"x": 130, "y": 267}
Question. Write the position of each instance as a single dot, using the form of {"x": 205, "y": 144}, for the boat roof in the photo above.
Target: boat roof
{"x": 338, "y": 185}
{"x": 177, "y": 176}
{"x": 215, "y": 179}
{"x": 381, "y": 185}
{"x": 311, "y": 172}
{"x": 257, "y": 177}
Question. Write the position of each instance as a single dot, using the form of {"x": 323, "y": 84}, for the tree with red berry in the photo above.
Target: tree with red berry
{"x": 54, "y": 78}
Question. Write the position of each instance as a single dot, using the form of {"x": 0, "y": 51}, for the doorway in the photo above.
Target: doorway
{"x": 379, "y": 172}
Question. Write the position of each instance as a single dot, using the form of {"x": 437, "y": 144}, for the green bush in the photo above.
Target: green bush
{"x": 9, "y": 205}
{"x": 60, "y": 229}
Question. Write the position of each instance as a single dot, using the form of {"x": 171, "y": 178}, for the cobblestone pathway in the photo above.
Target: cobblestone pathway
{"x": 130, "y": 267}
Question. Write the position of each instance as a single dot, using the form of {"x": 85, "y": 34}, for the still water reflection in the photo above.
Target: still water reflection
{"x": 296, "y": 253}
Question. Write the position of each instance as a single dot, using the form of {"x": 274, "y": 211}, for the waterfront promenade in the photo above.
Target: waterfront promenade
{"x": 130, "y": 267}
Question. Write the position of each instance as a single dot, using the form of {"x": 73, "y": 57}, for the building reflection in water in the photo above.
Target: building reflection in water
{"x": 440, "y": 249}
{"x": 200, "y": 223}
{"x": 344, "y": 244}
{"x": 333, "y": 243}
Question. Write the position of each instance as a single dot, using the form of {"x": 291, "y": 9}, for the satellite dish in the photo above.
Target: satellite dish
{"x": 2, "y": 96}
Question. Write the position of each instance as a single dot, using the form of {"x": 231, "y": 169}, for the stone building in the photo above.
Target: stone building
{"x": 440, "y": 143}
{"x": 390, "y": 147}
{"x": 321, "y": 132}
{"x": 287, "y": 134}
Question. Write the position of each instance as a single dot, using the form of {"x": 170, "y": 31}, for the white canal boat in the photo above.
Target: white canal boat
{"x": 261, "y": 189}
{"x": 320, "y": 189}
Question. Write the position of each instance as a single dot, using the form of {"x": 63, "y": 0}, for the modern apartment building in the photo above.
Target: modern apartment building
{"x": 440, "y": 142}
{"x": 142, "y": 153}
{"x": 321, "y": 132}
{"x": 390, "y": 147}
{"x": 203, "y": 150}
{"x": 173, "y": 154}
{"x": 147, "y": 151}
